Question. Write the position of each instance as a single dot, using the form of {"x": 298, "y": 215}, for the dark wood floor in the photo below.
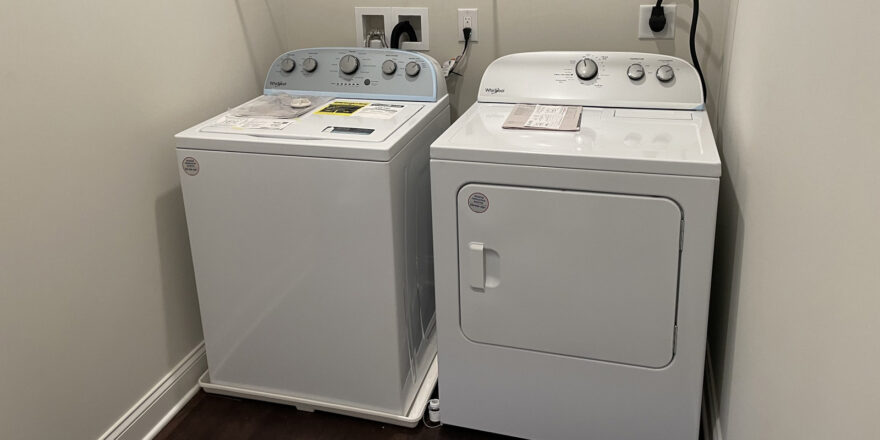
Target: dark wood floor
{"x": 208, "y": 416}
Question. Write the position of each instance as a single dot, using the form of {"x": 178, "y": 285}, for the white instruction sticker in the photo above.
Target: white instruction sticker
{"x": 381, "y": 111}
{"x": 252, "y": 123}
{"x": 544, "y": 117}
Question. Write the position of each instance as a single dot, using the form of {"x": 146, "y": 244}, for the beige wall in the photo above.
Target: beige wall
{"x": 795, "y": 324}
{"x": 510, "y": 26}
{"x": 97, "y": 298}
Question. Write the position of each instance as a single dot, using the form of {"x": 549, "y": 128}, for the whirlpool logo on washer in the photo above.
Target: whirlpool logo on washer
{"x": 277, "y": 83}
{"x": 493, "y": 90}
{"x": 190, "y": 165}
{"x": 478, "y": 202}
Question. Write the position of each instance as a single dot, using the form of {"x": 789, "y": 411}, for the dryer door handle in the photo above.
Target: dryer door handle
{"x": 476, "y": 266}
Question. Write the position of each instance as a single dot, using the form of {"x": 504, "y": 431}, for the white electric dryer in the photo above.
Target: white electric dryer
{"x": 311, "y": 236}
{"x": 573, "y": 268}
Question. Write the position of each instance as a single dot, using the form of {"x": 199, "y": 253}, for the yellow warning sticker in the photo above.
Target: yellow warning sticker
{"x": 342, "y": 108}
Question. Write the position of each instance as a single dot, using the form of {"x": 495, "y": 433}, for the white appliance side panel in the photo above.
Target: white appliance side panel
{"x": 294, "y": 263}
{"x": 583, "y": 274}
{"x": 411, "y": 225}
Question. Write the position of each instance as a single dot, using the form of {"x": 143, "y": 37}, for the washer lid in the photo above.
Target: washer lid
{"x": 375, "y": 132}
{"x": 644, "y": 141}
{"x": 340, "y": 119}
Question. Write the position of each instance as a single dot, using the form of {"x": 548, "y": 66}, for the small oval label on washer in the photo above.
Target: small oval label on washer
{"x": 478, "y": 202}
{"x": 190, "y": 166}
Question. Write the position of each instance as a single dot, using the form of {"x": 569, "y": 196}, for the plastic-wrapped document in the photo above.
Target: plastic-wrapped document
{"x": 282, "y": 106}
{"x": 544, "y": 117}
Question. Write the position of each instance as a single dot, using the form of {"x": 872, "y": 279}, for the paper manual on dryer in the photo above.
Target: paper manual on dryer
{"x": 544, "y": 117}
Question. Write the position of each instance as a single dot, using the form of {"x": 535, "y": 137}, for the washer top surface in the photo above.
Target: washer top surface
{"x": 644, "y": 125}
{"x": 369, "y": 114}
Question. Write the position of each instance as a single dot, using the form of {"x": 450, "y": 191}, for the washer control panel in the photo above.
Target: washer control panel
{"x": 600, "y": 79}
{"x": 357, "y": 73}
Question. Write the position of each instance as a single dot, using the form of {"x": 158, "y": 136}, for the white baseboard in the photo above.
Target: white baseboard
{"x": 711, "y": 423}
{"x": 150, "y": 414}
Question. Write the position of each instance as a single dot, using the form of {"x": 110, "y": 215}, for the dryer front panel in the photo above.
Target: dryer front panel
{"x": 581, "y": 274}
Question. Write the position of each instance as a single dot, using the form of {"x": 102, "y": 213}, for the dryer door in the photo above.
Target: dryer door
{"x": 582, "y": 274}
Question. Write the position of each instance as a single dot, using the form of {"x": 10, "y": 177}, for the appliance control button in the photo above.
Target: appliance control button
{"x": 349, "y": 64}
{"x": 310, "y": 64}
{"x": 665, "y": 73}
{"x": 586, "y": 69}
{"x": 288, "y": 64}
{"x": 413, "y": 68}
{"x": 635, "y": 72}
{"x": 389, "y": 67}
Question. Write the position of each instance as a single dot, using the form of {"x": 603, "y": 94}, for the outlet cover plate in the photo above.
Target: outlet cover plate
{"x": 645, "y": 32}
{"x": 475, "y": 29}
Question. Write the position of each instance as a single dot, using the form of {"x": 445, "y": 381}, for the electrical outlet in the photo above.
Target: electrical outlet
{"x": 468, "y": 18}
{"x": 645, "y": 32}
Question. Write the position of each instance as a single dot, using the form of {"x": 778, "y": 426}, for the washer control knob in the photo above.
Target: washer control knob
{"x": 635, "y": 72}
{"x": 665, "y": 73}
{"x": 288, "y": 64}
{"x": 349, "y": 64}
{"x": 389, "y": 67}
{"x": 413, "y": 68}
{"x": 586, "y": 69}
{"x": 310, "y": 64}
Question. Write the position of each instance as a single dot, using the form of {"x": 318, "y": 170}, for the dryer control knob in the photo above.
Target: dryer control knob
{"x": 586, "y": 69}
{"x": 310, "y": 64}
{"x": 665, "y": 73}
{"x": 635, "y": 72}
{"x": 349, "y": 64}
{"x": 389, "y": 67}
{"x": 413, "y": 68}
{"x": 288, "y": 64}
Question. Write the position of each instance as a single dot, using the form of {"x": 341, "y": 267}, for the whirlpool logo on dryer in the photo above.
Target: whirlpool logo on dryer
{"x": 493, "y": 90}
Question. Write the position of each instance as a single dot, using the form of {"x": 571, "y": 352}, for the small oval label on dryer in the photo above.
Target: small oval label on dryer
{"x": 190, "y": 166}
{"x": 478, "y": 202}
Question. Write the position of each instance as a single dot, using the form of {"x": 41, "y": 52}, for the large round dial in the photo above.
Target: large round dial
{"x": 349, "y": 64}
{"x": 586, "y": 69}
{"x": 288, "y": 64}
{"x": 310, "y": 64}
{"x": 665, "y": 73}
{"x": 635, "y": 72}
{"x": 413, "y": 68}
{"x": 389, "y": 67}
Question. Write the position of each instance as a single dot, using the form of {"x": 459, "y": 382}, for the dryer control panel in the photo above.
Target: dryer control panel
{"x": 600, "y": 79}
{"x": 357, "y": 73}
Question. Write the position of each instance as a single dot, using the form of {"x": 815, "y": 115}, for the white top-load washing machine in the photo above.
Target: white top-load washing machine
{"x": 311, "y": 236}
{"x": 572, "y": 268}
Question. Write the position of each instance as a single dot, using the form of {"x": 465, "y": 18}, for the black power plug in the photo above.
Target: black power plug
{"x": 657, "y": 22}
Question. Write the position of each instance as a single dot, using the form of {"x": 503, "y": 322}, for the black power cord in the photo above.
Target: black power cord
{"x": 693, "y": 37}
{"x": 657, "y": 22}
{"x": 466, "y": 32}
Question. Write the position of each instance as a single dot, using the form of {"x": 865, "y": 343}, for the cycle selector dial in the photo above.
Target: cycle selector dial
{"x": 349, "y": 64}
{"x": 586, "y": 69}
{"x": 665, "y": 73}
{"x": 413, "y": 68}
{"x": 287, "y": 65}
{"x": 635, "y": 72}
{"x": 310, "y": 64}
{"x": 389, "y": 67}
